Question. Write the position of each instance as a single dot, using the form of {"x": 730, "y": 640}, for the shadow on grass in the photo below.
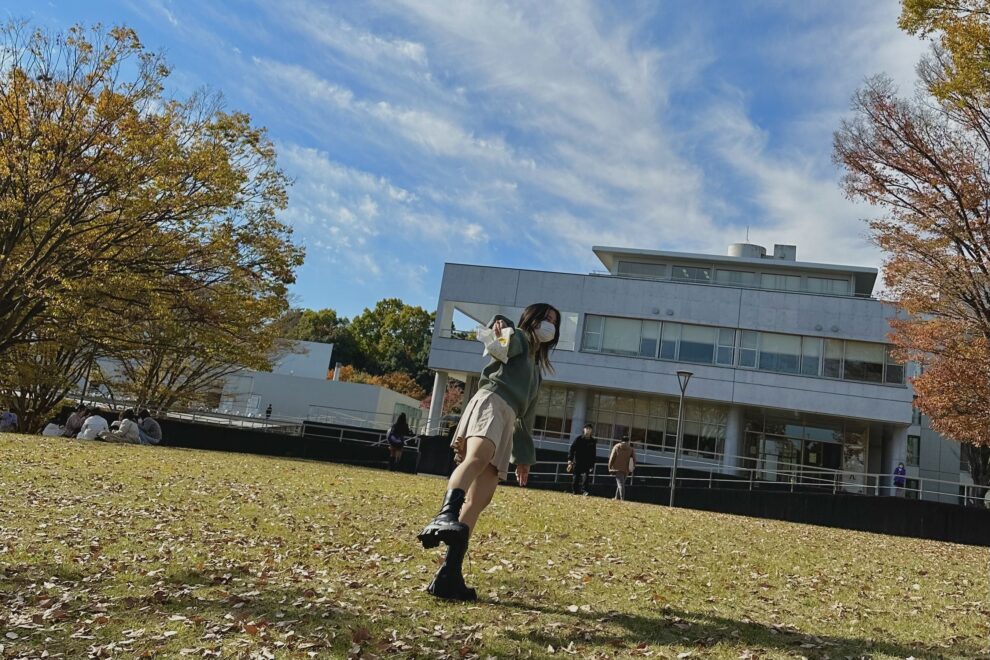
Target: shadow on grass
{"x": 700, "y": 630}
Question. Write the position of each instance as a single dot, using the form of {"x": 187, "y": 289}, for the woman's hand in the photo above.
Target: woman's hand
{"x": 498, "y": 327}
{"x": 522, "y": 474}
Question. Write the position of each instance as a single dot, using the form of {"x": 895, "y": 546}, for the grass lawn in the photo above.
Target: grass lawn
{"x": 127, "y": 551}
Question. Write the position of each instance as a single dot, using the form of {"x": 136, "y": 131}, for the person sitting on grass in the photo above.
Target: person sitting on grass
{"x": 497, "y": 423}
{"x": 126, "y": 433}
{"x": 149, "y": 430}
{"x": 8, "y": 421}
{"x": 74, "y": 424}
{"x": 93, "y": 425}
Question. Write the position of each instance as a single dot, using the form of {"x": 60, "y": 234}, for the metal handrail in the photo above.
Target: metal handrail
{"x": 865, "y": 483}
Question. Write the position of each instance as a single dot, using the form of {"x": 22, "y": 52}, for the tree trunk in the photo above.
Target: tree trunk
{"x": 978, "y": 457}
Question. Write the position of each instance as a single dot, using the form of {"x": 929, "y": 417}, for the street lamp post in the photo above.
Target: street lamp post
{"x": 682, "y": 379}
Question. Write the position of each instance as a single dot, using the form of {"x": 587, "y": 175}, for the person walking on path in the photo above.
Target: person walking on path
{"x": 622, "y": 463}
{"x": 495, "y": 429}
{"x": 581, "y": 458}
{"x": 396, "y": 437}
{"x": 268, "y": 412}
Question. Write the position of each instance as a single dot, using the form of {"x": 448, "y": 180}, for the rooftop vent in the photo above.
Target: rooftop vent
{"x": 785, "y": 252}
{"x": 747, "y": 251}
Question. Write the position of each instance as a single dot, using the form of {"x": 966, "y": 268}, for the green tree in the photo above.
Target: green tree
{"x": 327, "y": 327}
{"x": 395, "y": 337}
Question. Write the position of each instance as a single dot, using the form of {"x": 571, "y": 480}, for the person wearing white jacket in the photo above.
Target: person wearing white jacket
{"x": 93, "y": 426}
{"x": 127, "y": 432}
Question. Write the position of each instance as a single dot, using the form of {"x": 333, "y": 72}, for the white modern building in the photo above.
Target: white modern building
{"x": 299, "y": 388}
{"x": 792, "y": 373}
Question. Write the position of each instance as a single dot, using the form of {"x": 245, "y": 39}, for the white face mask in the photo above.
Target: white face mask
{"x": 546, "y": 332}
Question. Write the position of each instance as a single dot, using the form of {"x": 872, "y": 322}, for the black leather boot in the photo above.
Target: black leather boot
{"x": 446, "y": 527}
{"x": 448, "y": 583}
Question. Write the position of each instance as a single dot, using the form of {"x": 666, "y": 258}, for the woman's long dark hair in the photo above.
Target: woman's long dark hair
{"x": 530, "y": 320}
{"x": 401, "y": 427}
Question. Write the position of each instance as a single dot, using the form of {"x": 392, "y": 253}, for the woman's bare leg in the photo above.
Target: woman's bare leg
{"x": 477, "y": 457}
{"x": 479, "y": 495}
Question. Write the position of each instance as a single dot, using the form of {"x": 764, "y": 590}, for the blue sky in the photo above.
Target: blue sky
{"x": 521, "y": 134}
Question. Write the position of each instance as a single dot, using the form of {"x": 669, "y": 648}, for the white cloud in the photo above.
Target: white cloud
{"x": 330, "y": 30}
{"x": 474, "y": 129}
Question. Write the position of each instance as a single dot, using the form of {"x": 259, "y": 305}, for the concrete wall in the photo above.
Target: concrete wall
{"x": 295, "y": 398}
{"x": 795, "y": 313}
{"x": 308, "y": 359}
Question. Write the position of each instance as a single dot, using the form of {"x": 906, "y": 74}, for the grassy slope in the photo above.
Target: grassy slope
{"x": 123, "y": 551}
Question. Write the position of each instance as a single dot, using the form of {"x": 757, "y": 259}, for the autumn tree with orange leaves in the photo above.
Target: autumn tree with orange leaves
{"x": 925, "y": 161}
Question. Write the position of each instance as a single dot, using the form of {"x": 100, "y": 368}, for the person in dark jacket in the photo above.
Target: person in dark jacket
{"x": 397, "y": 434}
{"x": 900, "y": 480}
{"x": 581, "y": 458}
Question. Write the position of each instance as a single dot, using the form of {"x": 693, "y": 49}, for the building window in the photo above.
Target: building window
{"x": 652, "y": 421}
{"x": 963, "y": 459}
{"x": 649, "y": 341}
{"x": 828, "y": 285}
{"x": 766, "y": 351}
{"x": 781, "y": 353}
{"x": 592, "y": 333}
{"x": 913, "y": 450}
{"x": 725, "y": 353}
{"x": 735, "y": 278}
{"x": 691, "y": 274}
{"x": 697, "y": 344}
{"x": 893, "y": 370}
{"x": 863, "y": 361}
{"x": 669, "y": 339}
{"x": 637, "y": 269}
{"x": 748, "y": 345}
{"x": 780, "y": 282}
{"x": 811, "y": 356}
{"x": 832, "y": 363}
{"x": 621, "y": 336}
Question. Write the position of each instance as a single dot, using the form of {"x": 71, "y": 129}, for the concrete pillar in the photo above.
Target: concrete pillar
{"x": 579, "y": 416}
{"x": 733, "y": 439}
{"x": 894, "y": 452}
{"x": 445, "y": 317}
{"x": 436, "y": 402}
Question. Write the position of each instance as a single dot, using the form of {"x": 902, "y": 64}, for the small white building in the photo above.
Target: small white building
{"x": 298, "y": 388}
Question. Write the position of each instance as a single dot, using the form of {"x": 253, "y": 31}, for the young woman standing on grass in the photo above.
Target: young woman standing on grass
{"x": 497, "y": 422}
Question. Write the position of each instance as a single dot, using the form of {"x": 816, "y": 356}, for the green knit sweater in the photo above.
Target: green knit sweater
{"x": 518, "y": 383}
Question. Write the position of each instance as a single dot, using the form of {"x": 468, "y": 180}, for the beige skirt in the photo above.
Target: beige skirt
{"x": 487, "y": 415}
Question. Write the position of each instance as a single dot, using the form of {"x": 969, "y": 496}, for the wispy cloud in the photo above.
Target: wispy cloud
{"x": 516, "y": 133}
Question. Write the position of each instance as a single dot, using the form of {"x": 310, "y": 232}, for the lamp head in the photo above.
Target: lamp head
{"x": 683, "y": 376}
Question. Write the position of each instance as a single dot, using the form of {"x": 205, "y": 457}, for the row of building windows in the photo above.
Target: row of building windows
{"x": 766, "y": 351}
{"x": 741, "y": 278}
{"x": 647, "y": 420}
